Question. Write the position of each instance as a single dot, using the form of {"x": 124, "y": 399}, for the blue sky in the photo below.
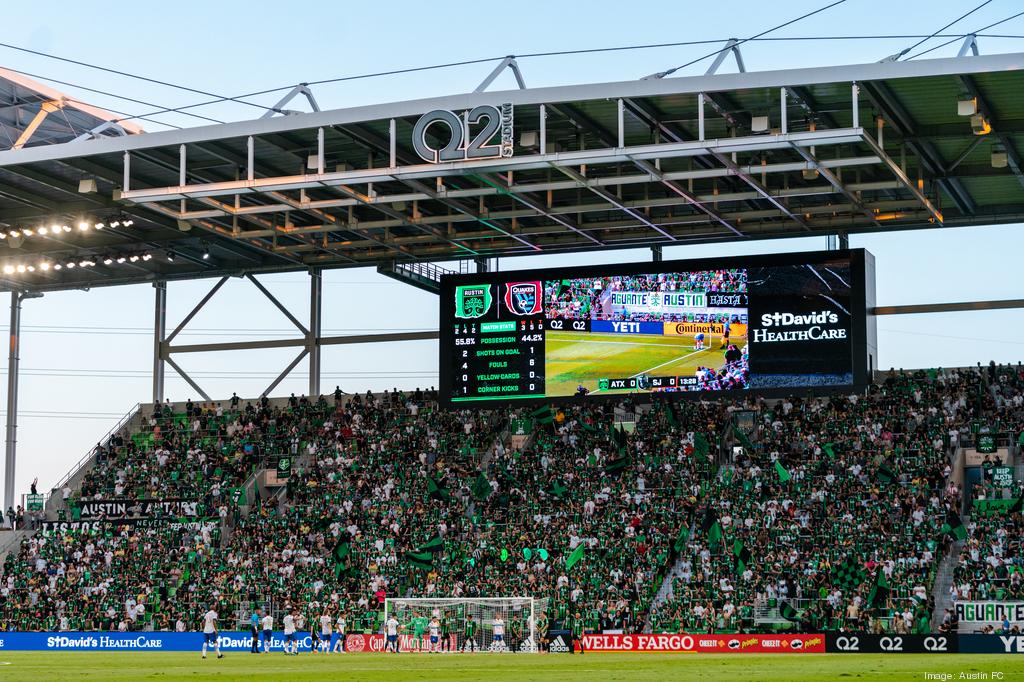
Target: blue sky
{"x": 86, "y": 355}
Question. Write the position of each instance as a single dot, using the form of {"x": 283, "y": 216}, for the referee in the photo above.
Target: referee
{"x": 254, "y": 630}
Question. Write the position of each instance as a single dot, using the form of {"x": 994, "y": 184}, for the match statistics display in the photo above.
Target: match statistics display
{"x": 766, "y": 323}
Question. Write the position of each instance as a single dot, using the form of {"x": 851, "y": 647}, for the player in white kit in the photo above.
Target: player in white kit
{"x": 210, "y": 633}
{"x": 325, "y": 632}
{"x": 340, "y": 627}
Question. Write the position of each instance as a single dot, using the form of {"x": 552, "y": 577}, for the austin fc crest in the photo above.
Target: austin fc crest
{"x": 472, "y": 301}
{"x": 523, "y": 298}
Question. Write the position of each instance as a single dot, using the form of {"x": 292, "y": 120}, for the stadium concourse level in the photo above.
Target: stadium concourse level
{"x": 835, "y": 516}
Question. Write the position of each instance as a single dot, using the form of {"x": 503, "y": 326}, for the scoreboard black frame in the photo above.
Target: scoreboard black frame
{"x": 799, "y": 322}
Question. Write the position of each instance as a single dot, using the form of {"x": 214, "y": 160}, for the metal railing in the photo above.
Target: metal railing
{"x": 80, "y": 464}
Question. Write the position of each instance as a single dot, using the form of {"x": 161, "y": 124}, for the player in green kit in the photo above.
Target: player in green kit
{"x": 576, "y": 631}
{"x": 446, "y": 633}
{"x": 419, "y": 628}
{"x": 469, "y": 631}
{"x": 542, "y": 632}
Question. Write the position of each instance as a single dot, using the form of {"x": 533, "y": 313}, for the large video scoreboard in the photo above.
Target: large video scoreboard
{"x": 768, "y": 323}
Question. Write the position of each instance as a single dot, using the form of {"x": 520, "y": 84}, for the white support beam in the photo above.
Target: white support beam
{"x": 45, "y": 109}
{"x": 430, "y": 171}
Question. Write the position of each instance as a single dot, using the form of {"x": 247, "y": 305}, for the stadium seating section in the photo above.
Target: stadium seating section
{"x": 828, "y": 514}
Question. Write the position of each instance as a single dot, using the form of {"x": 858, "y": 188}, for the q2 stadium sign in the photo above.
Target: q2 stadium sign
{"x": 463, "y": 144}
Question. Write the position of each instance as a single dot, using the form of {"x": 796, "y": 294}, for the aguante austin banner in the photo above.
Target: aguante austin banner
{"x": 722, "y": 644}
{"x": 990, "y": 611}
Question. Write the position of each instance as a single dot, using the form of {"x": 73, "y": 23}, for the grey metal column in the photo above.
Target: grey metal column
{"x": 159, "y": 332}
{"x": 12, "y": 399}
{"x": 313, "y": 336}
{"x": 656, "y": 254}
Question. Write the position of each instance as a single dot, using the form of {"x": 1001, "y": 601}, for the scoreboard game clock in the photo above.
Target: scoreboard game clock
{"x": 764, "y": 323}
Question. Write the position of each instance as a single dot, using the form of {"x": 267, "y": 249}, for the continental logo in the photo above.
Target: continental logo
{"x": 714, "y": 328}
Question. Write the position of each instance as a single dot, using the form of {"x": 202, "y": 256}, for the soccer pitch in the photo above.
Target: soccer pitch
{"x": 377, "y": 667}
{"x": 574, "y": 358}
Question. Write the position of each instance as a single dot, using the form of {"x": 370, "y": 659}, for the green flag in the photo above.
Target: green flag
{"x": 557, "y": 489}
{"x": 576, "y": 555}
{"x": 340, "y": 553}
{"x": 543, "y": 415}
{"x": 885, "y": 474}
{"x": 670, "y": 415}
{"x": 880, "y": 592}
{"x": 701, "y": 447}
{"x": 849, "y": 575}
{"x": 616, "y": 466}
{"x": 787, "y": 611}
{"x": 436, "y": 489}
{"x": 781, "y": 471}
{"x": 829, "y": 449}
{"x": 433, "y": 545}
{"x": 742, "y": 438}
{"x": 680, "y": 543}
{"x": 711, "y": 527}
{"x": 423, "y": 561}
{"x": 482, "y": 487}
{"x": 742, "y": 556}
{"x": 954, "y": 525}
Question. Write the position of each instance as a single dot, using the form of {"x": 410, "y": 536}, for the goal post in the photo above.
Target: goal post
{"x": 496, "y": 624}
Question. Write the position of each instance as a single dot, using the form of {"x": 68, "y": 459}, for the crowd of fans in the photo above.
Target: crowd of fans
{"x": 391, "y": 496}
{"x": 861, "y": 480}
{"x": 991, "y": 560}
{"x": 584, "y": 299}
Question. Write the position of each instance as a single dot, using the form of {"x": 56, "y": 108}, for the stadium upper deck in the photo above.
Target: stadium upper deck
{"x": 659, "y": 161}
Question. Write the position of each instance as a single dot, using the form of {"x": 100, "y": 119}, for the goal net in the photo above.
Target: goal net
{"x": 497, "y": 624}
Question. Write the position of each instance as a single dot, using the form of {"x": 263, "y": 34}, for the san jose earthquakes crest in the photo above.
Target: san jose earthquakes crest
{"x": 524, "y": 298}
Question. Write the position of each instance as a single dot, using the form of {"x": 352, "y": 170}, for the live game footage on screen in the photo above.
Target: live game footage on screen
{"x": 755, "y": 324}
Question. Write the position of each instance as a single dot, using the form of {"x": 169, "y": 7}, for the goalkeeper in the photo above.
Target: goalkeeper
{"x": 419, "y": 630}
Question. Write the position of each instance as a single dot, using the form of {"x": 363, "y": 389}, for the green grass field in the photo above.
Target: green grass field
{"x": 45, "y": 666}
{"x": 574, "y": 358}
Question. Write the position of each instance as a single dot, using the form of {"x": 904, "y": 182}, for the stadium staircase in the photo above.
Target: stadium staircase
{"x": 11, "y": 541}
{"x": 944, "y": 580}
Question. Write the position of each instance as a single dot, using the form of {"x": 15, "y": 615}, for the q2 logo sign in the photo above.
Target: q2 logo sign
{"x": 523, "y": 298}
{"x": 463, "y": 143}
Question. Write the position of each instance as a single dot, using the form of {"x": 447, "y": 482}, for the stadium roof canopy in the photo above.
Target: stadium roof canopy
{"x": 659, "y": 161}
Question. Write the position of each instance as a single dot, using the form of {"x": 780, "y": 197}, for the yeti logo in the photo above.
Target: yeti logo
{"x": 523, "y": 298}
{"x": 472, "y": 301}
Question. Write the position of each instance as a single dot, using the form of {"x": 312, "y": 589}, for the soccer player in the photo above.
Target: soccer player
{"x": 576, "y": 633}
{"x": 419, "y": 629}
{"x": 726, "y": 329}
{"x": 515, "y": 634}
{"x": 542, "y": 632}
{"x": 314, "y": 640}
{"x": 254, "y": 628}
{"x": 210, "y": 632}
{"x": 470, "y": 632}
{"x": 446, "y": 633}
{"x": 499, "y": 632}
{"x": 435, "y": 635}
{"x": 698, "y": 341}
{"x": 268, "y": 631}
{"x": 291, "y": 646}
{"x": 391, "y": 632}
{"x": 340, "y": 627}
{"x": 325, "y": 631}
